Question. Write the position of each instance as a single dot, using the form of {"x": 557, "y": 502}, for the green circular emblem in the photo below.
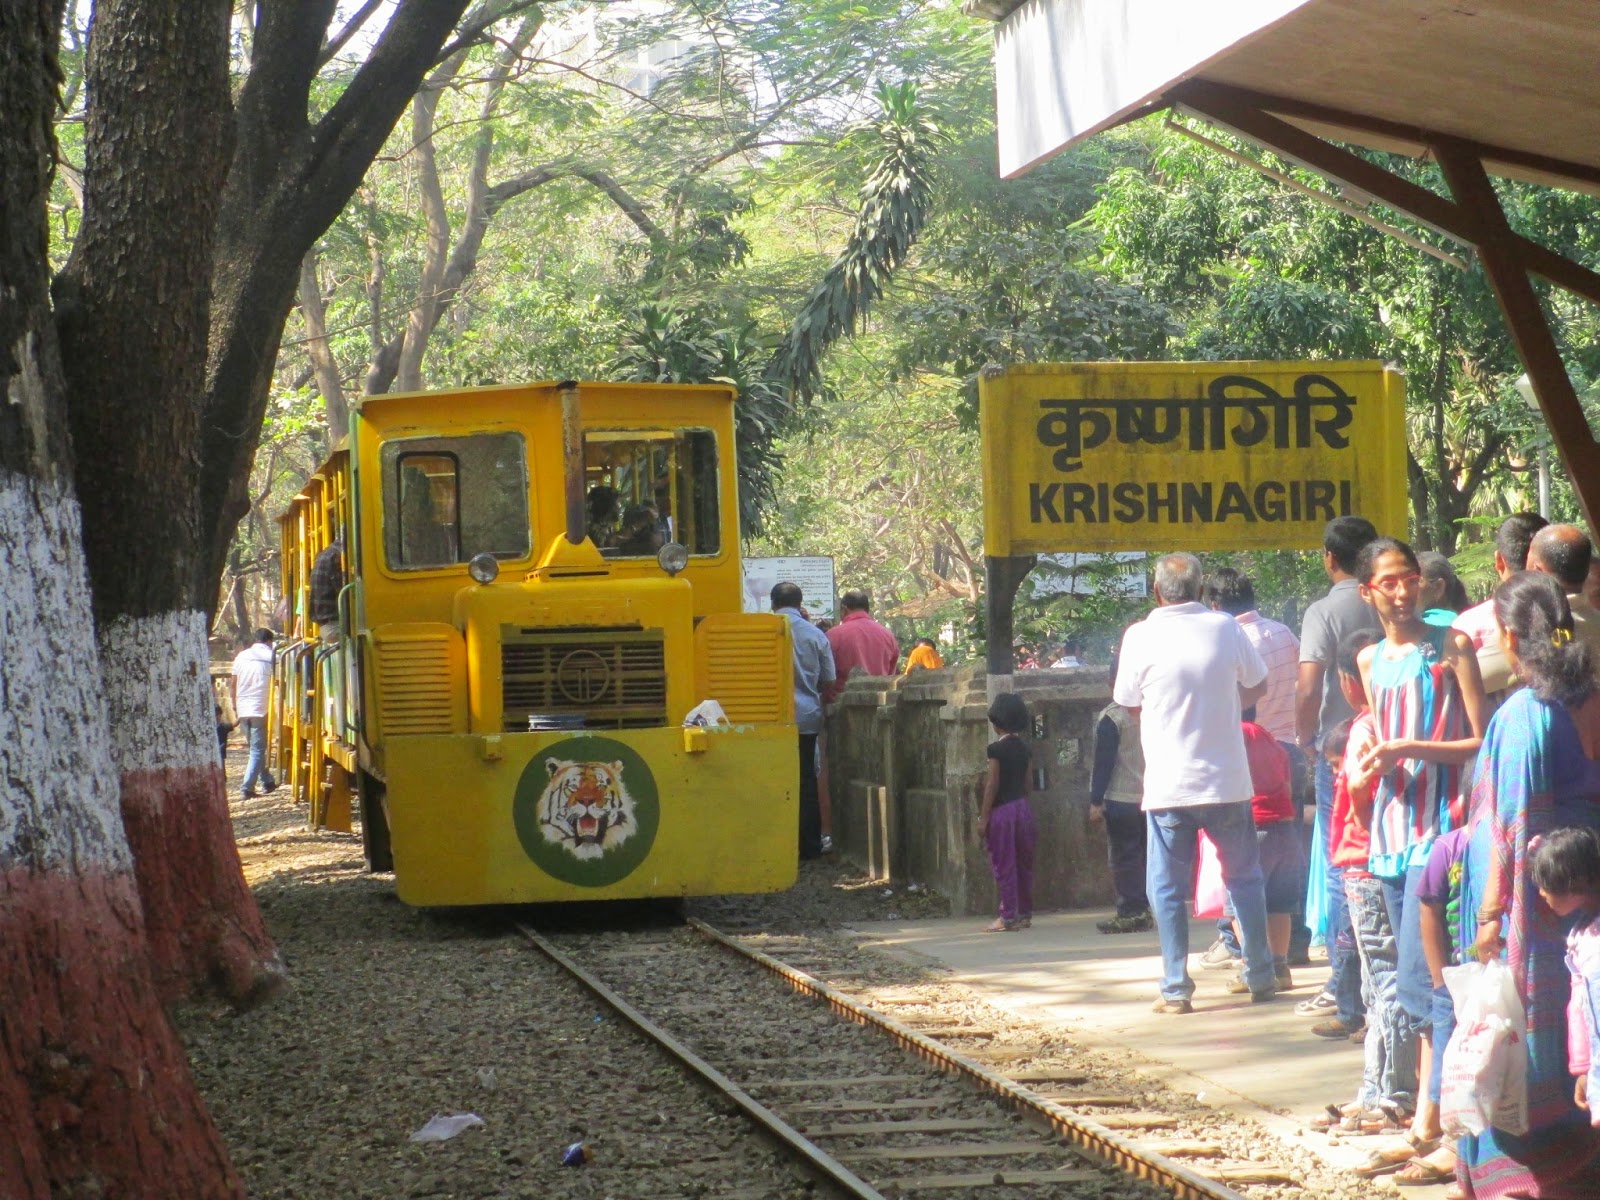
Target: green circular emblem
{"x": 587, "y": 810}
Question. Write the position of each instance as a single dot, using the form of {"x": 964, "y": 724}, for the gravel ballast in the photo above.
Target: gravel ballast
{"x": 393, "y": 1016}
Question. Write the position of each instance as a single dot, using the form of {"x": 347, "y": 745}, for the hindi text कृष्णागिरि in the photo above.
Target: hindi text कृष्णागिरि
{"x": 1072, "y": 426}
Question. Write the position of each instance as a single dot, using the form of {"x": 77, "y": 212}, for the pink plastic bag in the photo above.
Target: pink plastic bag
{"x": 1210, "y": 894}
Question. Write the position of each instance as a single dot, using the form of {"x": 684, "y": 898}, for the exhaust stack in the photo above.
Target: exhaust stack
{"x": 572, "y": 457}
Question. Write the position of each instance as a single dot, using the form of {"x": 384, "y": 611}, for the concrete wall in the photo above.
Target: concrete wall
{"x": 914, "y": 750}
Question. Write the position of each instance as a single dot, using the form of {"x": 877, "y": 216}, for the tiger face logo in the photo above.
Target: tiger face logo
{"x": 585, "y": 808}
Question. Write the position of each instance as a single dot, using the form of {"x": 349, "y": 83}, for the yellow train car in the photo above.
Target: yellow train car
{"x": 505, "y": 602}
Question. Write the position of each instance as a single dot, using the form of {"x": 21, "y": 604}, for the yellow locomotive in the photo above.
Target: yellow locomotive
{"x": 523, "y": 592}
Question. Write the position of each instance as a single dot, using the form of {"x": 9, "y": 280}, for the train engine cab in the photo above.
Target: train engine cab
{"x": 543, "y": 582}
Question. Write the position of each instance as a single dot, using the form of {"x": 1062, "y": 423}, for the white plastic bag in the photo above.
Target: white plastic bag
{"x": 1486, "y": 1063}
{"x": 706, "y": 713}
{"x": 442, "y": 1128}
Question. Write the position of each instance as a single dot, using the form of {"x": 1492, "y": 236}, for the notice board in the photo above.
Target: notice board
{"x": 814, "y": 574}
{"x": 1188, "y": 456}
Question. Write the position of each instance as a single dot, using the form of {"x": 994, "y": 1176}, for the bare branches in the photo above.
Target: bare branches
{"x": 474, "y": 30}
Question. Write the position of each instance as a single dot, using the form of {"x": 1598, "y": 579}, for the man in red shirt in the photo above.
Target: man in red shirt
{"x": 860, "y": 643}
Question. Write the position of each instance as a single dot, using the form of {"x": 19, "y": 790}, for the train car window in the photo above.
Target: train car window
{"x": 446, "y": 499}
{"x": 650, "y": 487}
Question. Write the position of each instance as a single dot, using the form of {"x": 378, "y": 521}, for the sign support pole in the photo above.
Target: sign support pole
{"x": 1002, "y": 577}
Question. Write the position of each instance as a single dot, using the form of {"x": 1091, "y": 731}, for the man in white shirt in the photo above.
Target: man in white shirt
{"x": 252, "y": 681}
{"x": 1564, "y": 552}
{"x": 1188, "y": 673}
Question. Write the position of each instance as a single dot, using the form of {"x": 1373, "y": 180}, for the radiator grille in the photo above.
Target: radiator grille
{"x": 414, "y": 683}
{"x": 586, "y": 679}
{"x": 747, "y": 665}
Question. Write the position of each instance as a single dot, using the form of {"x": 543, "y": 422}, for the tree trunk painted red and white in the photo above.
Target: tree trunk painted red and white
{"x": 133, "y": 314}
{"x": 202, "y": 923}
{"x": 95, "y": 1094}
{"x": 95, "y": 1091}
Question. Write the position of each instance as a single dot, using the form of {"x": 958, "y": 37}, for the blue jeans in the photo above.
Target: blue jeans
{"x": 1344, "y": 981}
{"x": 1390, "y": 1068}
{"x": 1174, "y": 837}
{"x": 1415, "y": 983}
{"x": 1444, "y": 1024}
{"x": 255, "y": 738}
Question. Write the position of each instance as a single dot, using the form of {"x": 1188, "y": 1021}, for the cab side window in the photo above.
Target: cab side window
{"x": 446, "y": 499}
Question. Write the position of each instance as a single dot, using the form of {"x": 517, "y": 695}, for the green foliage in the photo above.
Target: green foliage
{"x": 666, "y": 345}
{"x": 727, "y": 186}
{"x": 1253, "y": 269}
{"x": 895, "y": 201}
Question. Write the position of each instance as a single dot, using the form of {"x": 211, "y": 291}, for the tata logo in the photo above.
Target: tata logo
{"x": 583, "y": 676}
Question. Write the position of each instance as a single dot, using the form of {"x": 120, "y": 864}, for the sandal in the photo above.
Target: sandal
{"x": 1388, "y": 1117}
{"x": 1373, "y": 1122}
{"x": 1329, "y": 1117}
{"x": 1382, "y": 1162}
{"x": 1411, "y": 1149}
{"x": 1000, "y": 926}
{"x": 1421, "y": 1172}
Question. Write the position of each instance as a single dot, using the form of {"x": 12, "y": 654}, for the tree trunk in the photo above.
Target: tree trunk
{"x": 323, "y": 365}
{"x": 93, "y": 1081}
{"x": 133, "y": 322}
{"x": 287, "y": 184}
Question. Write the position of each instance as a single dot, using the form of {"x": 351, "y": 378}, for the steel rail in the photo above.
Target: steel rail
{"x": 810, "y": 1155}
{"x": 1074, "y": 1128}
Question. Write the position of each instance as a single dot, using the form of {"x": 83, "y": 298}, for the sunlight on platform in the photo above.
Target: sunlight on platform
{"x": 1260, "y": 1060}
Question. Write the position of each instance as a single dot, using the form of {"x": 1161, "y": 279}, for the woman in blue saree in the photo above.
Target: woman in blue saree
{"x": 1535, "y": 773}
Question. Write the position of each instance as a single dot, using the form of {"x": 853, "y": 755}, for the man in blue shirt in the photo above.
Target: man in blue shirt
{"x": 813, "y": 671}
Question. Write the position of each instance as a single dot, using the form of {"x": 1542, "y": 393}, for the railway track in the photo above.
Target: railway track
{"x": 882, "y": 1105}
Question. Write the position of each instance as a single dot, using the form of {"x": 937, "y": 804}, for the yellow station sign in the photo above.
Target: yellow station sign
{"x": 1188, "y": 456}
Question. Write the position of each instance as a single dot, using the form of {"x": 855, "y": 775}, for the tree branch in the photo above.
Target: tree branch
{"x": 476, "y": 26}
{"x": 337, "y": 43}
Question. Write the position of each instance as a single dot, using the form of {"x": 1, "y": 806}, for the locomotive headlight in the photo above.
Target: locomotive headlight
{"x": 485, "y": 568}
{"x": 673, "y": 557}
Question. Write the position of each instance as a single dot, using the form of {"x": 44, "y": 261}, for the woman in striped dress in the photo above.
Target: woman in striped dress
{"x": 1426, "y": 696}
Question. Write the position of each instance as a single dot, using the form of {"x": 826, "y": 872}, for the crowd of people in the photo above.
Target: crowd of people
{"x": 1448, "y": 754}
{"x": 826, "y": 654}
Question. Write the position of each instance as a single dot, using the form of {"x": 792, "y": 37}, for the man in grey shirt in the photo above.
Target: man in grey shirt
{"x": 1319, "y": 706}
{"x": 813, "y": 671}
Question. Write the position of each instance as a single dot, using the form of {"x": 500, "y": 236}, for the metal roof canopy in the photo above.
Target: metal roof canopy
{"x": 1480, "y": 86}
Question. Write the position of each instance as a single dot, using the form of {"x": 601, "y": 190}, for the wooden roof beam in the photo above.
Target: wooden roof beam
{"x": 1580, "y": 174}
{"x": 1236, "y": 111}
{"x": 1475, "y": 217}
{"x": 1498, "y": 250}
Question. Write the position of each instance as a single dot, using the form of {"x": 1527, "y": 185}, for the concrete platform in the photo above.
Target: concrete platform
{"x": 1259, "y": 1060}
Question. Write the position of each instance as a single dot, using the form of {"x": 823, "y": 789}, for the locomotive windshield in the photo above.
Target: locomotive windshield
{"x": 649, "y": 487}
{"x": 446, "y": 499}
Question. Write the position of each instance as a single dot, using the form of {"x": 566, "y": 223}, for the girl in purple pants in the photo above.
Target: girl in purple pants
{"x": 1005, "y": 824}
